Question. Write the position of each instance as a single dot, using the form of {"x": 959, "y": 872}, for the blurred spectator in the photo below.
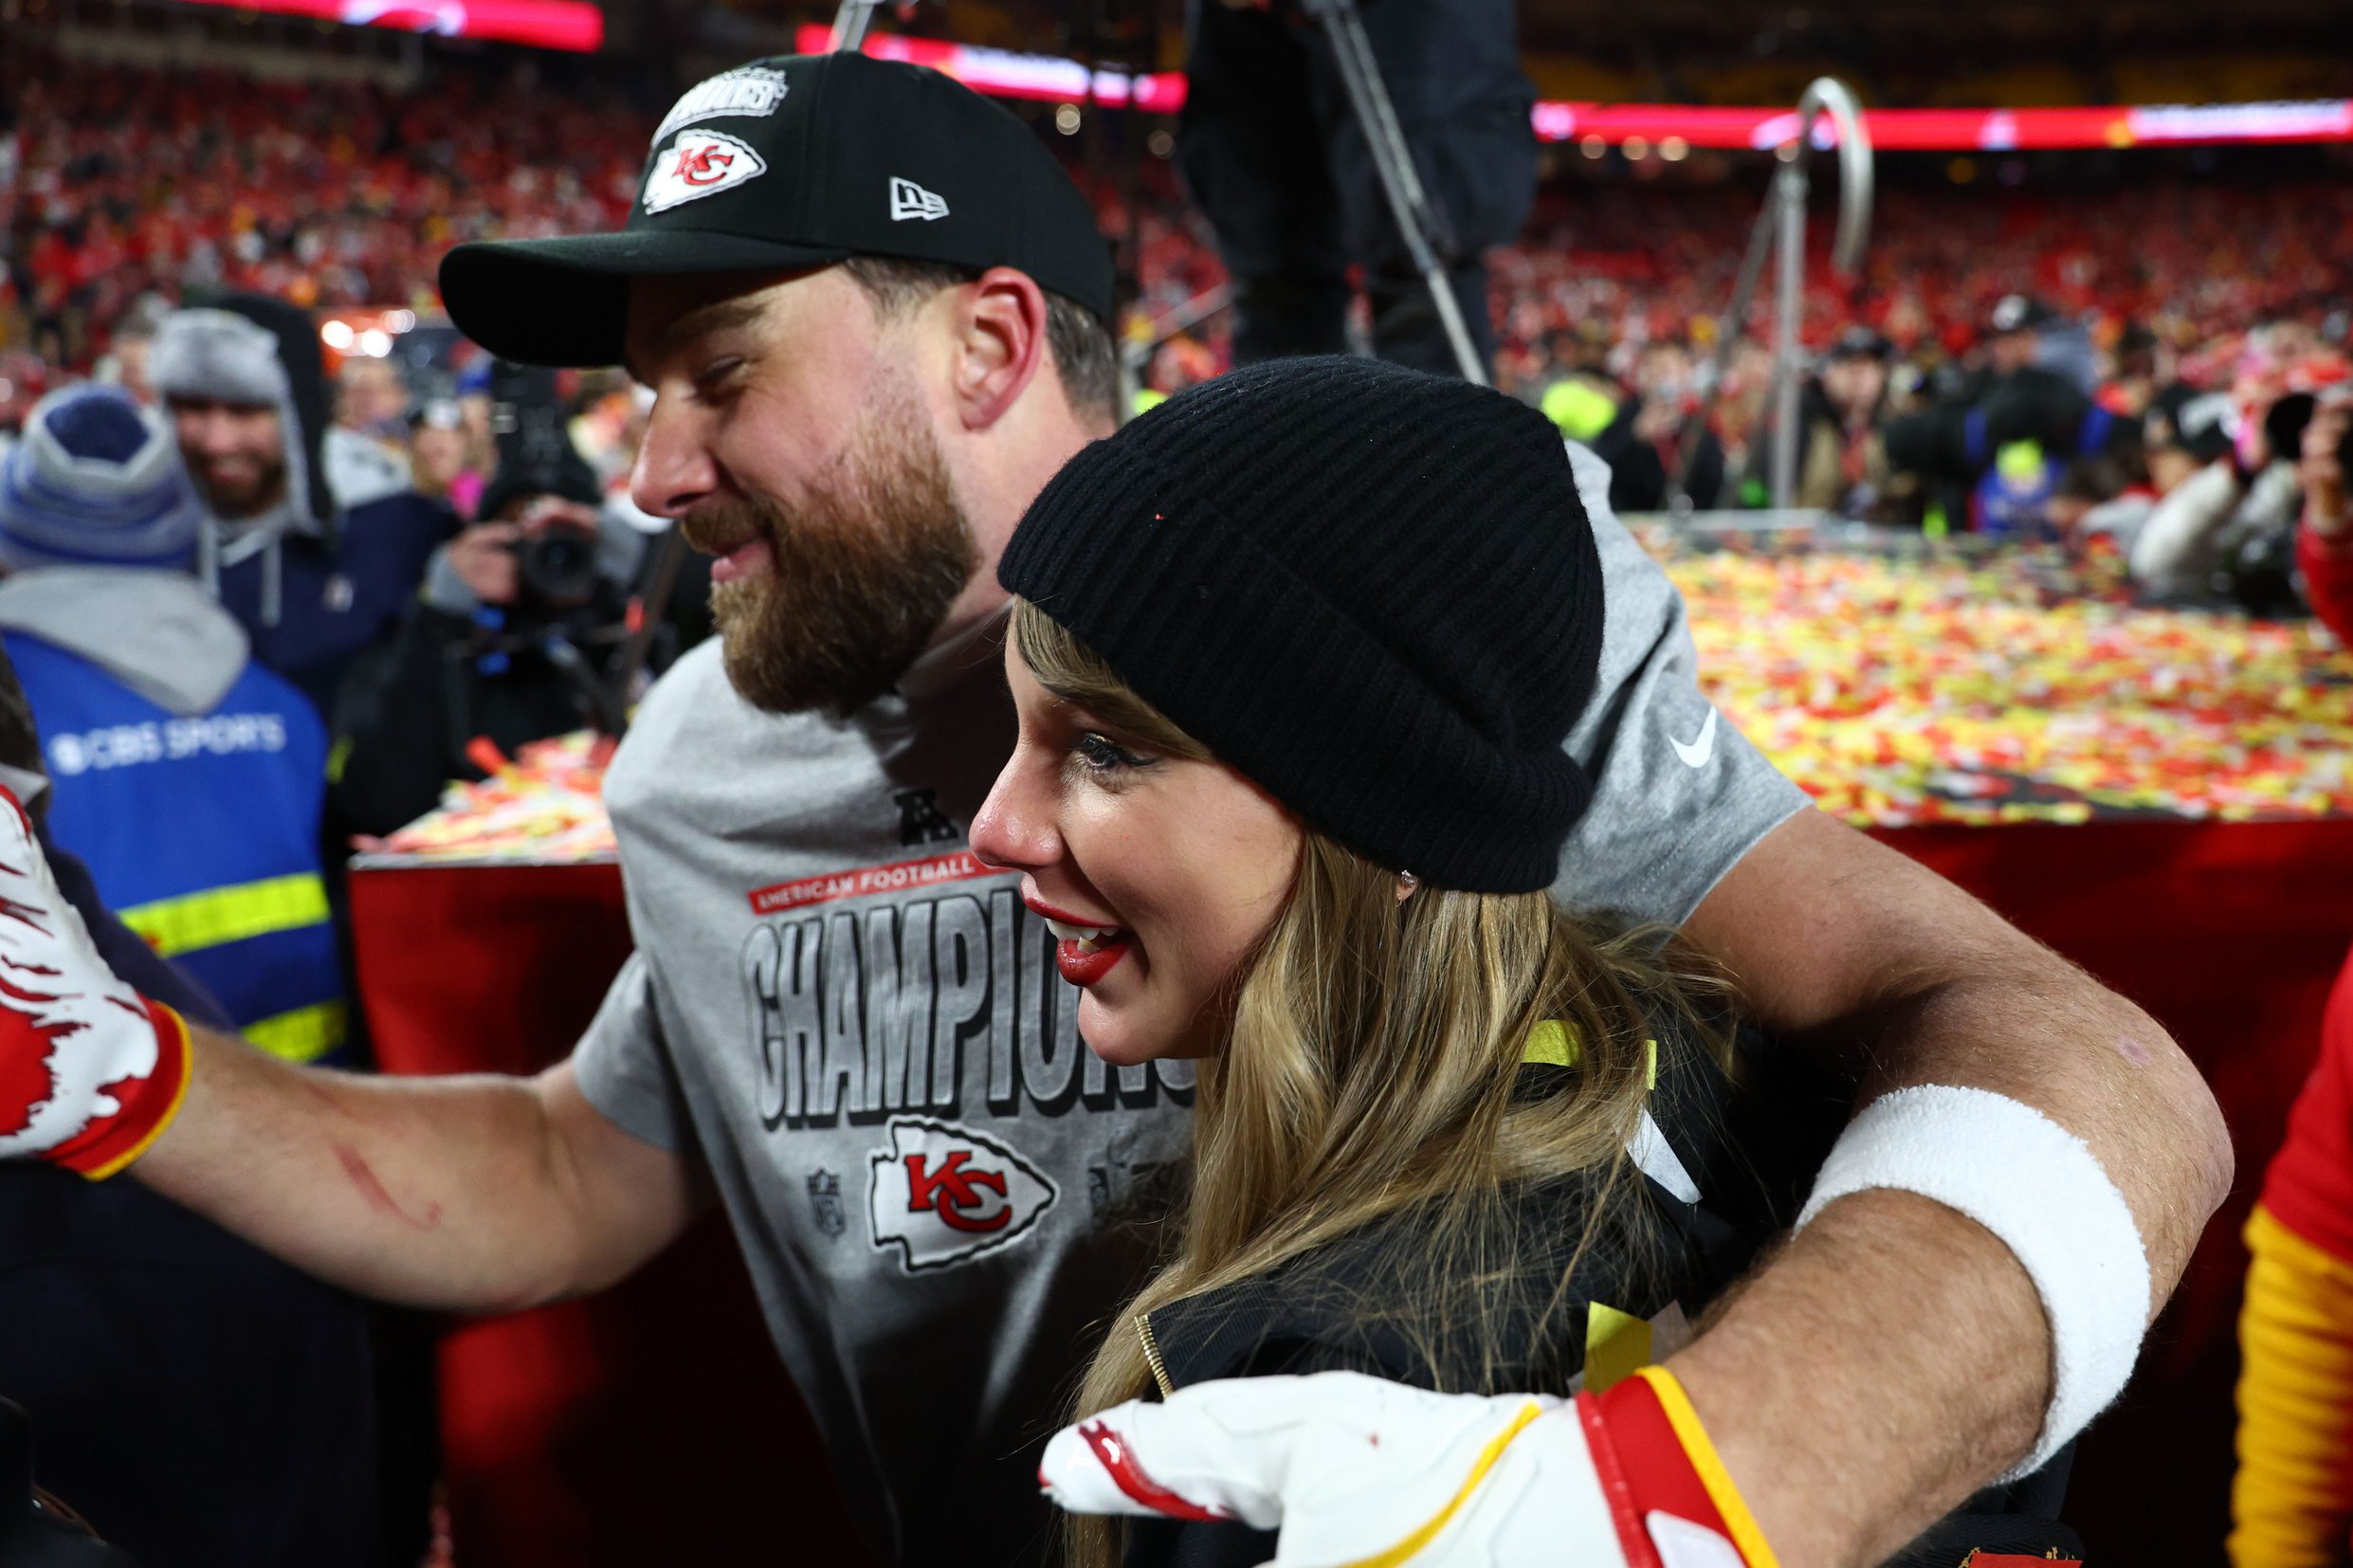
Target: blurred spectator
{"x": 2184, "y": 430}
{"x": 202, "y": 1404}
{"x": 1838, "y": 414}
{"x": 518, "y": 635}
{"x": 366, "y": 448}
{"x": 2325, "y": 543}
{"x": 2014, "y": 338}
{"x": 314, "y": 584}
{"x": 372, "y": 399}
{"x": 1642, "y": 442}
{"x": 190, "y": 778}
{"x": 438, "y": 449}
{"x": 2224, "y": 534}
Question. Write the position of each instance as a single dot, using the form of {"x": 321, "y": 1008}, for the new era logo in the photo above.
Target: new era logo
{"x": 910, "y": 200}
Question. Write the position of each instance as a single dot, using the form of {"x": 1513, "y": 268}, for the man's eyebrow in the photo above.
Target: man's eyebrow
{"x": 718, "y": 316}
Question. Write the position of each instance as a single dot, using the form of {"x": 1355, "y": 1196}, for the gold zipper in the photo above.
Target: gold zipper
{"x": 1152, "y": 1355}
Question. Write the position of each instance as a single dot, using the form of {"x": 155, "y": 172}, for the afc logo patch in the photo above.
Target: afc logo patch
{"x": 945, "y": 1193}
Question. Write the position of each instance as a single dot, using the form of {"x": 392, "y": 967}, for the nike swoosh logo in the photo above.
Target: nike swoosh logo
{"x": 1696, "y": 752}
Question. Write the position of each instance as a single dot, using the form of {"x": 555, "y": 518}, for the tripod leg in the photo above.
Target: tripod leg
{"x": 1408, "y": 201}
{"x": 850, "y": 24}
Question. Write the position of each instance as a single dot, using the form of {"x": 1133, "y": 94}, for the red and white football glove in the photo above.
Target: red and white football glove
{"x": 1355, "y": 1472}
{"x": 90, "y": 1070}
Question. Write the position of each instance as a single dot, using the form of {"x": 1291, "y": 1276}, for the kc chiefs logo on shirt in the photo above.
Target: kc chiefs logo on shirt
{"x": 945, "y": 1194}
{"x": 699, "y": 163}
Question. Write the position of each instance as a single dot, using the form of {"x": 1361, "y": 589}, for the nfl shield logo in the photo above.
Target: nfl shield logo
{"x": 825, "y": 1200}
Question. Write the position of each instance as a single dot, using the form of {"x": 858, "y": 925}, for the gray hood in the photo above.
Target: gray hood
{"x": 158, "y": 633}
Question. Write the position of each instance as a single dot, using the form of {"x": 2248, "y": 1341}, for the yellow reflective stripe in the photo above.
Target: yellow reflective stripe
{"x": 1701, "y": 1451}
{"x": 304, "y": 1035}
{"x": 219, "y": 914}
{"x": 180, "y": 1043}
{"x": 1404, "y": 1550}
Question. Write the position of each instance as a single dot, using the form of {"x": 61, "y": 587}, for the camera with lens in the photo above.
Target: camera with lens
{"x": 557, "y": 562}
{"x": 555, "y": 568}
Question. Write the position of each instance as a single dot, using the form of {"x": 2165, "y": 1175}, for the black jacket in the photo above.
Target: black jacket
{"x": 1751, "y": 1153}
{"x": 410, "y": 709}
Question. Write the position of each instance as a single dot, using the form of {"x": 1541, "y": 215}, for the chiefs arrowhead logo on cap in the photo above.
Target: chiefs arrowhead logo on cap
{"x": 699, "y": 163}
{"x": 945, "y": 1194}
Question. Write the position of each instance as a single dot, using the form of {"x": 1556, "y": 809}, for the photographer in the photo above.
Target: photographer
{"x": 515, "y": 637}
{"x": 2225, "y": 533}
{"x": 2325, "y": 543}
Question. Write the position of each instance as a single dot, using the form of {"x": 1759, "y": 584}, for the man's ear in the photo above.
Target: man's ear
{"x": 1001, "y": 343}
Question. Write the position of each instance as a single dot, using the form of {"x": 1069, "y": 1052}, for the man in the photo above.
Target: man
{"x": 187, "y": 776}
{"x": 1644, "y": 439}
{"x": 871, "y": 311}
{"x": 312, "y": 580}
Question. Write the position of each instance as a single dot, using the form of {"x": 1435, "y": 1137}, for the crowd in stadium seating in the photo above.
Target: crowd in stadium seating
{"x": 129, "y": 180}
{"x": 133, "y": 185}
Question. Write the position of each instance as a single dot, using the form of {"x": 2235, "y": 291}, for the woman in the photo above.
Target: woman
{"x": 1294, "y": 658}
{"x": 1289, "y": 788}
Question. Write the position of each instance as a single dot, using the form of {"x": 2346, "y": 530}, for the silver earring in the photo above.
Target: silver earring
{"x": 1409, "y": 880}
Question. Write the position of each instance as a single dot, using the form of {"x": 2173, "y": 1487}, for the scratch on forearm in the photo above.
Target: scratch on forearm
{"x": 2133, "y": 1050}
{"x": 364, "y": 1179}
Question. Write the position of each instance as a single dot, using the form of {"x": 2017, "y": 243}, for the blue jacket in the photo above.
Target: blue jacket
{"x": 203, "y": 833}
{"x": 334, "y": 601}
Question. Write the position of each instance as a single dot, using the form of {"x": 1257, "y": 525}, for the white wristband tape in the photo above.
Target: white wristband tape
{"x": 2037, "y": 1186}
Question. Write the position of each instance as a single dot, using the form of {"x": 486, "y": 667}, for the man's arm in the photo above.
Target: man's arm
{"x": 1893, "y": 1358}
{"x": 468, "y": 1194}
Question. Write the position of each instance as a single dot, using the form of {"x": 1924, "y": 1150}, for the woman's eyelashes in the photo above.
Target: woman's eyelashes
{"x": 1104, "y": 758}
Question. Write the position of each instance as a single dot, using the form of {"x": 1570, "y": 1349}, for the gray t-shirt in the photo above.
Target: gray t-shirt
{"x": 859, "y": 1031}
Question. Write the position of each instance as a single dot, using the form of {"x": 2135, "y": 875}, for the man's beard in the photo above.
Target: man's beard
{"x": 864, "y": 573}
{"x": 245, "y": 498}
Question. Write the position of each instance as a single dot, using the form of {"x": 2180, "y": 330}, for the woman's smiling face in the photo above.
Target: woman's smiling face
{"x": 1160, "y": 874}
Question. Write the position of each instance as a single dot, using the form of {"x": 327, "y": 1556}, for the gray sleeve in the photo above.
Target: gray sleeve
{"x": 623, "y": 1063}
{"x": 2178, "y": 549}
{"x": 1679, "y": 795}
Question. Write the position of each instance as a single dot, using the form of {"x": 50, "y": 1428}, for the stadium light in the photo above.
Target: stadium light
{"x": 571, "y": 24}
{"x": 1006, "y": 74}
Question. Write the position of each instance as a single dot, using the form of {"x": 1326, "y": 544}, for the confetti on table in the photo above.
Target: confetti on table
{"x": 547, "y": 805}
{"x": 1953, "y": 687}
{"x": 1971, "y": 688}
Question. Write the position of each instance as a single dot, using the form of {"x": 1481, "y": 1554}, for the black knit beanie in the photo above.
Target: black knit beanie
{"x": 1373, "y": 591}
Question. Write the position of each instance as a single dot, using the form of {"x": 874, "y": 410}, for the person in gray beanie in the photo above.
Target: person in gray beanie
{"x": 314, "y": 583}
{"x": 181, "y": 768}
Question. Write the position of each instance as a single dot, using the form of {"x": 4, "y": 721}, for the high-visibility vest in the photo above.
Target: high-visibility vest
{"x": 203, "y": 834}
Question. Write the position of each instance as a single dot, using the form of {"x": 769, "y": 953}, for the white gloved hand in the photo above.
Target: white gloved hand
{"x": 1355, "y": 1472}
{"x": 90, "y": 1070}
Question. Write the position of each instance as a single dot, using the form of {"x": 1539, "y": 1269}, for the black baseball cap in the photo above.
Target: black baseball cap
{"x": 1859, "y": 344}
{"x": 793, "y": 161}
{"x": 2019, "y": 312}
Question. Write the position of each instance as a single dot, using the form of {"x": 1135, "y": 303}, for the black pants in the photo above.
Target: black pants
{"x": 1270, "y": 149}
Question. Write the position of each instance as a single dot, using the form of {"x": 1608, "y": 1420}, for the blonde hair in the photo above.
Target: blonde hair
{"x": 1371, "y": 1069}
